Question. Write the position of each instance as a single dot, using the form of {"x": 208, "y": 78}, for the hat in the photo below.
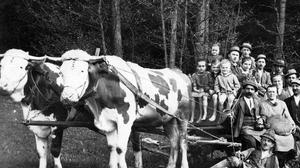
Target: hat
{"x": 251, "y": 83}
{"x": 296, "y": 81}
{"x": 270, "y": 134}
{"x": 261, "y": 56}
{"x": 247, "y": 45}
{"x": 235, "y": 48}
{"x": 291, "y": 72}
{"x": 279, "y": 62}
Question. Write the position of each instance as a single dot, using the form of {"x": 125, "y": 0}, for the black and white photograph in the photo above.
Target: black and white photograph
{"x": 149, "y": 84}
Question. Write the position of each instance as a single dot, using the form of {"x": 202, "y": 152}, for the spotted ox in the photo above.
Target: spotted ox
{"x": 116, "y": 108}
{"x": 36, "y": 85}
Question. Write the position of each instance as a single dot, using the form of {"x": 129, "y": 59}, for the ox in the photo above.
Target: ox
{"x": 116, "y": 108}
{"x": 36, "y": 85}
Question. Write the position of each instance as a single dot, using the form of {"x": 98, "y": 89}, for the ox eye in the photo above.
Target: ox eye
{"x": 21, "y": 67}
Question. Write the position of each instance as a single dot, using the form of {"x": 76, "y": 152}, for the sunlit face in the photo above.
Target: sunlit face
{"x": 261, "y": 63}
{"x": 225, "y": 68}
{"x": 247, "y": 65}
{"x": 277, "y": 80}
{"x": 234, "y": 56}
{"x": 215, "y": 68}
{"x": 291, "y": 78}
{"x": 296, "y": 89}
{"x": 215, "y": 50}
{"x": 246, "y": 52}
{"x": 201, "y": 67}
{"x": 266, "y": 144}
{"x": 272, "y": 93}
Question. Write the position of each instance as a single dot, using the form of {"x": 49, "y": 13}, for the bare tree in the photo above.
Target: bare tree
{"x": 117, "y": 28}
{"x": 173, "y": 42}
{"x": 101, "y": 27}
{"x": 184, "y": 34}
{"x": 280, "y": 28}
{"x": 163, "y": 31}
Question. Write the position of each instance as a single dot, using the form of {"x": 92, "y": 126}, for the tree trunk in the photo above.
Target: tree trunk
{"x": 117, "y": 28}
{"x": 164, "y": 31}
{"x": 184, "y": 34}
{"x": 101, "y": 27}
{"x": 173, "y": 35}
{"x": 200, "y": 31}
{"x": 280, "y": 28}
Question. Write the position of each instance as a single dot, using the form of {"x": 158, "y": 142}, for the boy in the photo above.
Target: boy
{"x": 226, "y": 85}
{"x": 215, "y": 71}
{"x": 215, "y": 54}
{"x": 202, "y": 84}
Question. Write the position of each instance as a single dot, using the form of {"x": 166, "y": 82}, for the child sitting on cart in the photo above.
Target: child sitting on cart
{"x": 202, "y": 85}
{"x": 215, "y": 71}
{"x": 226, "y": 85}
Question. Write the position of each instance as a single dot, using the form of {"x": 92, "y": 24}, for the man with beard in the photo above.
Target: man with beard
{"x": 290, "y": 76}
{"x": 254, "y": 158}
{"x": 246, "y": 116}
{"x": 262, "y": 77}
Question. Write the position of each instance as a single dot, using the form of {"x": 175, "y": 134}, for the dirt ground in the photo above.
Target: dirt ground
{"x": 82, "y": 148}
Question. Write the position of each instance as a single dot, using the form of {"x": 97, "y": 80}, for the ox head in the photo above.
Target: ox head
{"x": 75, "y": 73}
{"x": 14, "y": 67}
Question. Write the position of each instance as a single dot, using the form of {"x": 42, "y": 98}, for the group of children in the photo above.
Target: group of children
{"x": 219, "y": 79}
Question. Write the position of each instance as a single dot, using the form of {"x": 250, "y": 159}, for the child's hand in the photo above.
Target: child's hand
{"x": 201, "y": 90}
{"x": 211, "y": 92}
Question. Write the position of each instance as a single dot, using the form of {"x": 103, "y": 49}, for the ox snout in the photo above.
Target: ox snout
{"x": 69, "y": 97}
{"x": 4, "y": 89}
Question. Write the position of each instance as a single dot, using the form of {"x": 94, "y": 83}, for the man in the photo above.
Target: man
{"x": 246, "y": 114}
{"x": 254, "y": 158}
{"x": 294, "y": 109}
{"x": 246, "y": 49}
{"x": 262, "y": 77}
{"x": 278, "y": 67}
{"x": 293, "y": 102}
{"x": 234, "y": 57}
{"x": 290, "y": 76}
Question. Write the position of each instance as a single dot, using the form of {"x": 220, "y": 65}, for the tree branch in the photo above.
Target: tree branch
{"x": 264, "y": 28}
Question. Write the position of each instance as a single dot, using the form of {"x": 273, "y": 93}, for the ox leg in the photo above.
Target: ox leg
{"x": 123, "y": 136}
{"x": 137, "y": 149}
{"x": 183, "y": 143}
{"x": 173, "y": 135}
{"x": 42, "y": 149}
{"x": 111, "y": 138}
{"x": 56, "y": 147}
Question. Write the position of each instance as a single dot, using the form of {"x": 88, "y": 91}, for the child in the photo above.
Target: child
{"x": 226, "y": 85}
{"x": 215, "y": 54}
{"x": 245, "y": 70}
{"x": 202, "y": 83}
{"x": 215, "y": 71}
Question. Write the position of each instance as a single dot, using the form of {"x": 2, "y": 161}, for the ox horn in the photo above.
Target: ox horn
{"x": 94, "y": 58}
{"x": 35, "y": 58}
{"x": 57, "y": 59}
{"x": 1, "y": 55}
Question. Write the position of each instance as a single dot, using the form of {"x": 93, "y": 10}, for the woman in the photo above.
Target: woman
{"x": 282, "y": 94}
{"x": 271, "y": 108}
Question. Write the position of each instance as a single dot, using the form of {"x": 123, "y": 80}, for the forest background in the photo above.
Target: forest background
{"x": 153, "y": 33}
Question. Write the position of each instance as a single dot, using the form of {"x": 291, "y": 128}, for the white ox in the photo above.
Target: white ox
{"x": 15, "y": 65}
{"x": 116, "y": 108}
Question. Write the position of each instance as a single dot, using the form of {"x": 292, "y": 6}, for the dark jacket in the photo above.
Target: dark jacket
{"x": 239, "y": 113}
